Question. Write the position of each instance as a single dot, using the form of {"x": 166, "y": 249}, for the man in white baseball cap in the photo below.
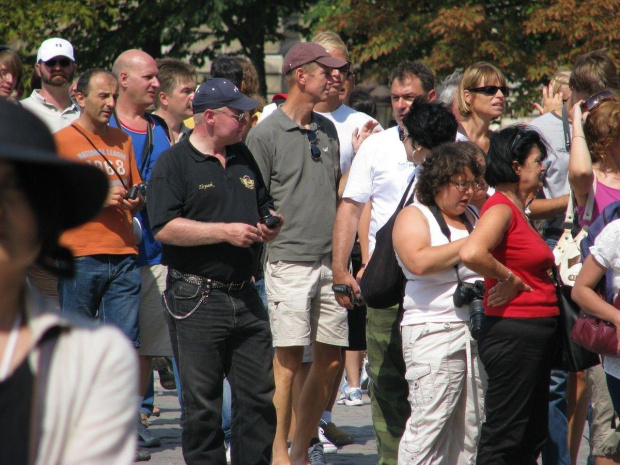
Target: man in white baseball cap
{"x": 56, "y": 68}
{"x": 53, "y": 105}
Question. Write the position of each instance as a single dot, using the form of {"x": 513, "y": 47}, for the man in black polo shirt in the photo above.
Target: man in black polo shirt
{"x": 205, "y": 200}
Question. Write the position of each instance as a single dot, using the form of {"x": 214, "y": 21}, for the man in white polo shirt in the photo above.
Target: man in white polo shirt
{"x": 56, "y": 67}
{"x": 380, "y": 173}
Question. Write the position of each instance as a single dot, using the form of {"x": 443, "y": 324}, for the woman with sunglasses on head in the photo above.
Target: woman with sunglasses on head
{"x": 594, "y": 165}
{"x": 518, "y": 335}
{"x": 67, "y": 388}
{"x": 482, "y": 96}
{"x": 445, "y": 376}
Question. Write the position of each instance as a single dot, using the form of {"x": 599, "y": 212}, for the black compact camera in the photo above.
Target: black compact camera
{"x": 132, "y": 193}
{"x": 471, "y": 294}
{"x": 346, "y": 290}
{"x": 271, "y": 221}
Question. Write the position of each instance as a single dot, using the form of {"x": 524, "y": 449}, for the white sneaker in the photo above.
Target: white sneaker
{"x": 328, "y": 446}
{"x": 351, "y": 397}
{"x": 316, "y": 454}
{"x": 228, "y": 461}
{"x": 343, "y": 392}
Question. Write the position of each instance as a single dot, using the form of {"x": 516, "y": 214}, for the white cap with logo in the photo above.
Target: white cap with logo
{"x": 55, "y": 47}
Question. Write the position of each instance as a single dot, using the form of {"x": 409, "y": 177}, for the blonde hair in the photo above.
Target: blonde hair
{"x": 478, "y": 74}
{"x": 560, "y": 79}
{"x": 331, "y": 41}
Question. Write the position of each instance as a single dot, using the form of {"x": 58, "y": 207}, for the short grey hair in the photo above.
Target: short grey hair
{"x": 446, "y": 92}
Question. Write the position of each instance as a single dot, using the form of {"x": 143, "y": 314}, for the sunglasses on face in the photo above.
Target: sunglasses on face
{"x": 64, "y": 62}
{"x": 491, "y": 90}
{"x": 315, "y": 151}
{"x": 598, "y": 98}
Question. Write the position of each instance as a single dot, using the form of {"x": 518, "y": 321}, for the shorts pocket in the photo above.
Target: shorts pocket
{"x": 421, "y": 386}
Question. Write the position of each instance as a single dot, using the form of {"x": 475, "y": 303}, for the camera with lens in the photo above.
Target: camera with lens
{"x": 472, "y": 295}
{"x": 132, "y": 193}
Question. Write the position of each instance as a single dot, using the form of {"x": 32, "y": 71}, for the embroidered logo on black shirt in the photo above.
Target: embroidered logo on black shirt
{"x": 205, "y": 186}
{"x": 247, "y": 181}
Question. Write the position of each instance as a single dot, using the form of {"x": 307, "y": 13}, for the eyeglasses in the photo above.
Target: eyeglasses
{"x": 345, "y": 69}
{"x": 64, "y": 62}
{"x": 462, "y": 186}
{"x": 239, "y": 118}
{"x": 598, "y": 98}
{"x": 491, "y": 90}
{"x": 315, "y": 151}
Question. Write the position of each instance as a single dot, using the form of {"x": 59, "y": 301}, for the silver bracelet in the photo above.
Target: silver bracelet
{"x": 502, "y": 281}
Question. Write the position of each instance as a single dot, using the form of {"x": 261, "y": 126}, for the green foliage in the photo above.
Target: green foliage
{"x": 188, "y": 29}
{"x": 528, "y": 41}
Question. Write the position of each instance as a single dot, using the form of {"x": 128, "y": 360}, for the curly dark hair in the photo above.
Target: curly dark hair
{"x": 445, "y": 161}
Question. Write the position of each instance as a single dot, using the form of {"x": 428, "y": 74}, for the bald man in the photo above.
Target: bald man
{"x": 137, "y": 72}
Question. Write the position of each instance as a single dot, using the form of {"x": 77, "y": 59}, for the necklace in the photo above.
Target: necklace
{"x": 10, "y": 348}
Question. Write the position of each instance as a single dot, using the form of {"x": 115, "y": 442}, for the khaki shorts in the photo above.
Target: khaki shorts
{"x": 604, "y": 430}
{"x": 154, "y": 335}
{"x": 302, "y": 306}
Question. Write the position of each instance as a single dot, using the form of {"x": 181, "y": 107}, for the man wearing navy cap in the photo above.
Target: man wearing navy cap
{"x": 206, "y": 199}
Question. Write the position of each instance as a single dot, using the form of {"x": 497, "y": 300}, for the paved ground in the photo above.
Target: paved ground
{"x": 355, "y": 420}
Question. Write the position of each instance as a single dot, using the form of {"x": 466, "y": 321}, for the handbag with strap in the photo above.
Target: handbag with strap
{"x": 596, "y": 335}
{"x": 567, "y": 251}
{"x": 383, "y": 282}
{"x": 570, "y": 355}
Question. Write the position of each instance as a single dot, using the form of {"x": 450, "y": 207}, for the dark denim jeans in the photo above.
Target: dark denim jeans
{"x": 106, "y": 287}
{"x": 228, "y": 335}
{"x": 555, "y": 451}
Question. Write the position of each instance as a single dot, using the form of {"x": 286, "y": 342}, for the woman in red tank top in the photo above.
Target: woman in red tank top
{"x": 518, "y": 334}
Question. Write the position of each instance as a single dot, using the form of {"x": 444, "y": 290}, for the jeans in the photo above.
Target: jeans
{"x": 148, "y": 400}
{"x": 555, "y": 451}
{"x": 227, "y": 412}
{"x": 106, "y": 287}
{"x": 216, "y": 334}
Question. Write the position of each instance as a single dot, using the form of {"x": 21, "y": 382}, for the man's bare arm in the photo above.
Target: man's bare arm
{"x": 542, "y": 209}
{"x": 187, "y": 233}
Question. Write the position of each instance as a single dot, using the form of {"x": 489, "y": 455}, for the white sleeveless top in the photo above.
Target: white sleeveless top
{"x": 429, "y": 298}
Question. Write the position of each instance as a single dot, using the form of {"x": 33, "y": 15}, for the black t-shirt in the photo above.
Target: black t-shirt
{"x": 187, "y": 184}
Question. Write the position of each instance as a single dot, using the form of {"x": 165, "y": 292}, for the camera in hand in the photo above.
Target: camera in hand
{"x": 132, "y": 193}
{"x": 472, "y": 295}
{"x": 271, "y": 221}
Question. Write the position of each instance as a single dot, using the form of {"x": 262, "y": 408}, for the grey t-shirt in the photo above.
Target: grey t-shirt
{"x": 304, "y": 190}
{"x": 555, "y": 182}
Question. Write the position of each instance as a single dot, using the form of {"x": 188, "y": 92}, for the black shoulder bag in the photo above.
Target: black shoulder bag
{"x": 383, "y": 282}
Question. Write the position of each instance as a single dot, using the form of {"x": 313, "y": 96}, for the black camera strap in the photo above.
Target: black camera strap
{"x": 74, "y": 126}
{"x": 446, "y": 230}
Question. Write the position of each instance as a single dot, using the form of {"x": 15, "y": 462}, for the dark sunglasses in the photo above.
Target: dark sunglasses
{"x": 315, "y": 151}
{"x": 491, "y": 90}
{"x": 64, "y": 62}
{"x": 598, "y": 98}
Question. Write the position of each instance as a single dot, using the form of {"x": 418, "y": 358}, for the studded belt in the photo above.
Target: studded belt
{"x": 207, "y": 282}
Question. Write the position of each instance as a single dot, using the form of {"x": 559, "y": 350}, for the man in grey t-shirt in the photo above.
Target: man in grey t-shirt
{"x": 297, "y": 152}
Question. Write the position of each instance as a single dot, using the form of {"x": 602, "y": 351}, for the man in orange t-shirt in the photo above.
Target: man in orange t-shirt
{"x": 106, "y": 283}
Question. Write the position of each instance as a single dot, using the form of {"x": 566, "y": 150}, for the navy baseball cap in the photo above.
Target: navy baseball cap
{"x": 218, "y": 93}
